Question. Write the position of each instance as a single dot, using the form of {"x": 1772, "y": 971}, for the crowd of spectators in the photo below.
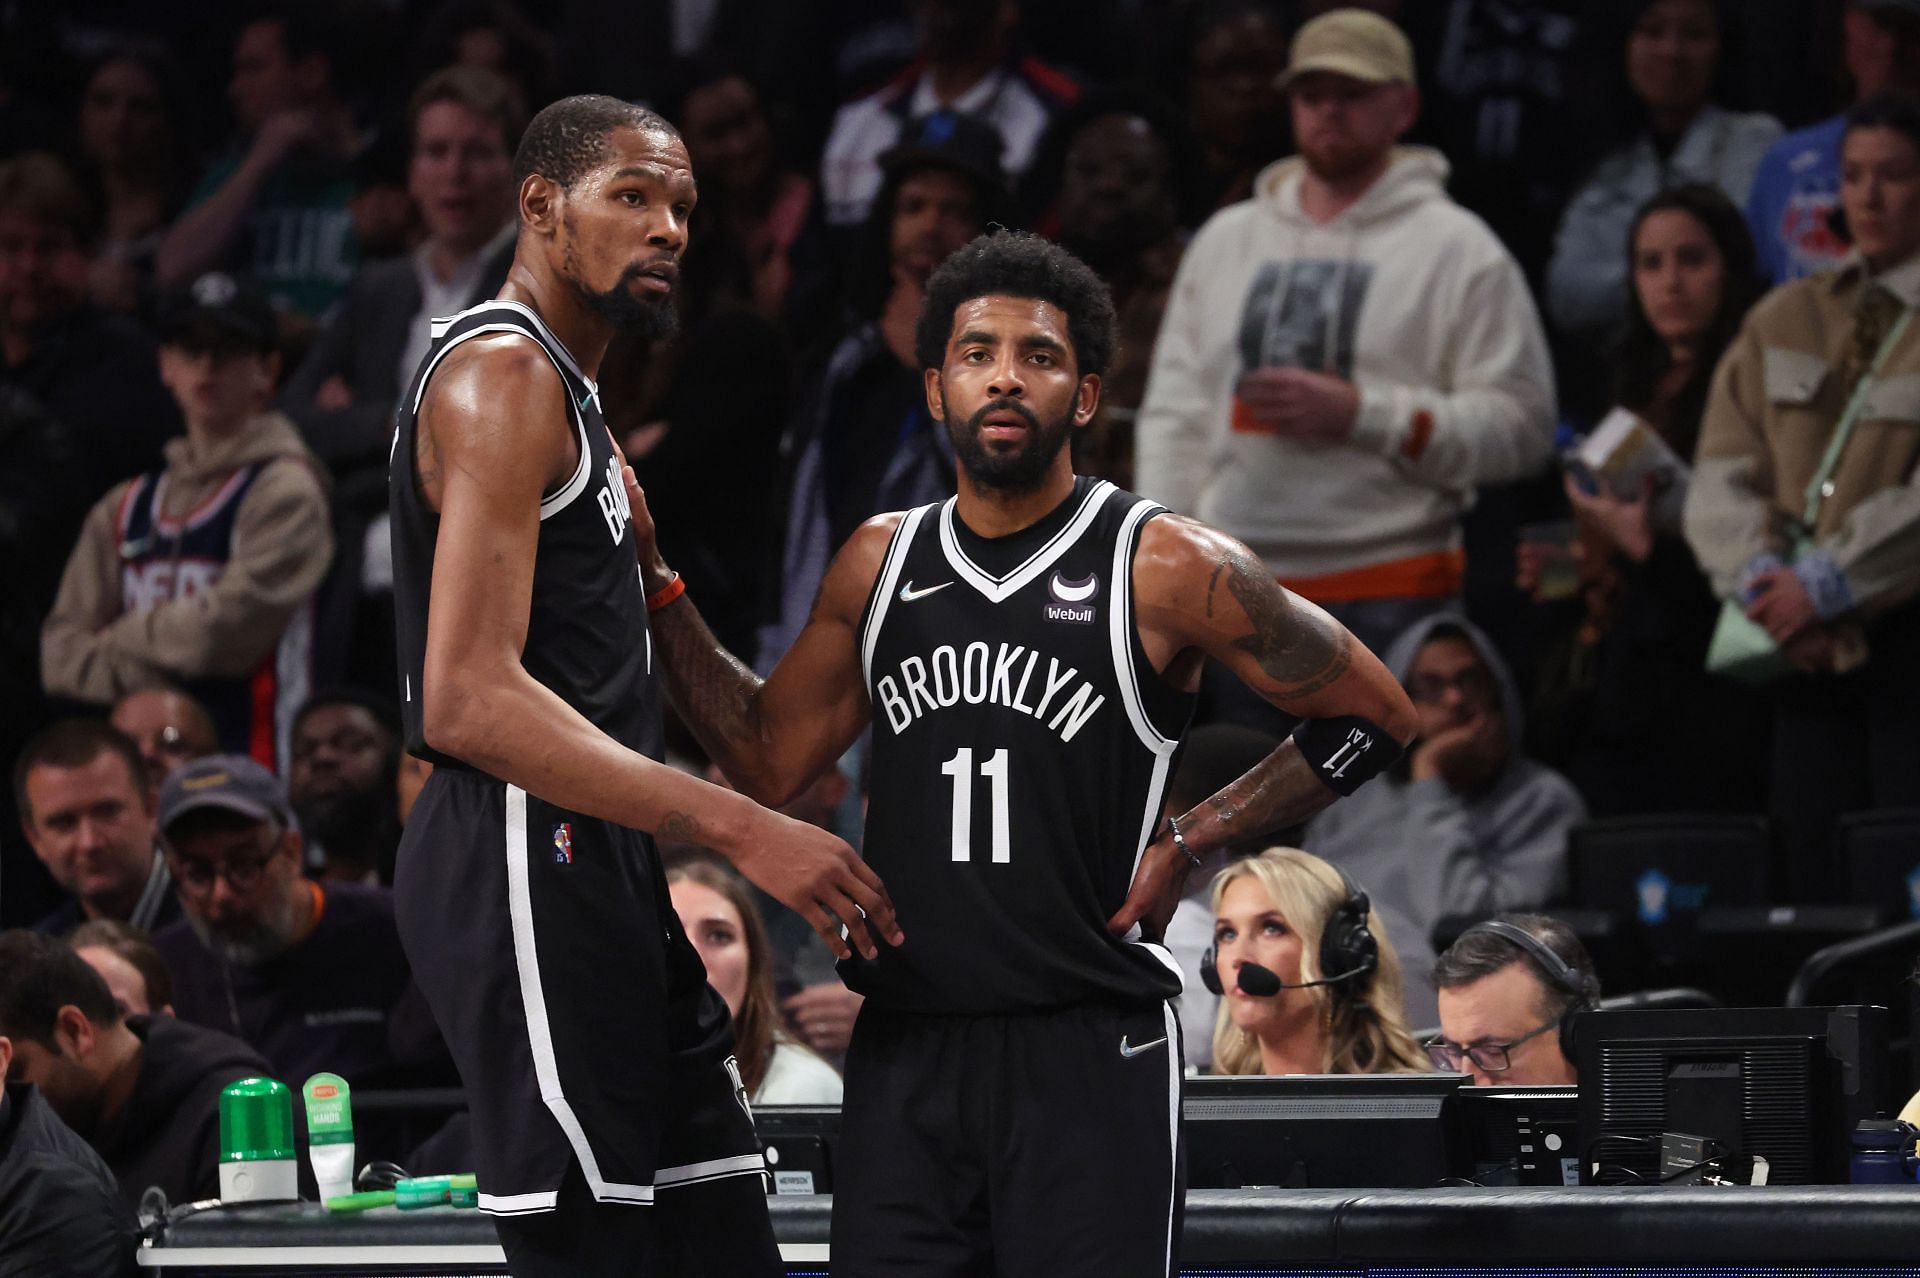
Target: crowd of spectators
{"x": 1380, "y": 273}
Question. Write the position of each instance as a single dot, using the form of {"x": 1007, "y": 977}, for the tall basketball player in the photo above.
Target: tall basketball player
{"x": 610, "y": 1131}
{"x": 1027, "y": 653}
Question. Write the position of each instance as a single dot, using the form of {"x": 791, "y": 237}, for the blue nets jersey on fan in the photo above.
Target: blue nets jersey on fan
{"x": 1022, "y": 745}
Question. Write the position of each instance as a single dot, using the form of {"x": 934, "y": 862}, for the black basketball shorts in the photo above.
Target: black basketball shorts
{"x": 578, "y": 1013}
{"x": 1036, "y": 1143}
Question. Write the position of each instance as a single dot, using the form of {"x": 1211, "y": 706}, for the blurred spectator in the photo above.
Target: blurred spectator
{"x": 346, "y": 748}
{"x": 94, "y": 373}
{"x": 1830, "y": 363}
{"x": 309, "y": 975}
{"x": 1797, "y": 187}
{"x": 969, "y": 63}
{"x": 1501, "y": 1007}
{"x": 276, "y": 208}
{"x": 124, "y": 956}
{"x": 87, "y": 809}
{"x": 1504, "y": 87}
{"x": 753, "y": 210}
{"x": 1673, "y": 52}
{"x": 202, "y": 573}
{"x": 127, "y": 137}
{"x": 143, "y": 1091}
{"x": 1463, "y": 824}
{"x": 1346, "y": 356}
{"x": 489, "y": 35}
{"x": 1622, "y": 706}
{"x": 60, "y": 1209}
{"x": 170, "y": 727}
{"x": 464, "y": 125}
{"x": 866, "y": 442}
{"x": 1273, "y": 910}
{"x": 1116, "y": 209}
{"x": 1235, "y": 105}
{"x": 718, "y": 915}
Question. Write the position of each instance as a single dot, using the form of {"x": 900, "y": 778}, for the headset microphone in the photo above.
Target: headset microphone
{"x": 1262, "y": 982}
{"x": 1259, "y": 981}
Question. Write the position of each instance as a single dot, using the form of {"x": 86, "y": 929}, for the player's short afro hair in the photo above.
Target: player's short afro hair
{"x": 569, "y": 137}
{"x": 1019, "y": 264}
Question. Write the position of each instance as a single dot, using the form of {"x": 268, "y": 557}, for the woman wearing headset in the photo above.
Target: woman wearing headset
{"x": 1337, "y": 1006}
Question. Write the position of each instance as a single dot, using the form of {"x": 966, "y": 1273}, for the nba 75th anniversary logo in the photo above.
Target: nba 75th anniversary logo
{"x": 1073, "y": 600}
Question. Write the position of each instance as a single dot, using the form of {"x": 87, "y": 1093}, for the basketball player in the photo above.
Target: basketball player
{"x": 1027, "y": 653}
{"x": 597, "y": 1061}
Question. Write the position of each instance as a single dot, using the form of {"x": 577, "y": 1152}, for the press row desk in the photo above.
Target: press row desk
{"x": 1754, "y": 1233}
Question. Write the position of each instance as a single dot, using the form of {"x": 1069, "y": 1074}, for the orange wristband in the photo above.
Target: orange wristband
{"x": 667, "y": 593}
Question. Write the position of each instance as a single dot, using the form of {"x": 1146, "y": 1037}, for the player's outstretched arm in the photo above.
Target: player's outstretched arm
{"x": 774, "y": 737}
{"x": 492, "y": 438}
{"x": 1201, "y": 591}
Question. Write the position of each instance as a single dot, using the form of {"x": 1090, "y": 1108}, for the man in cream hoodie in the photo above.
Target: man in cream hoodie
{"x": 202, "y": 574}
{"x": 1347, "y": 355}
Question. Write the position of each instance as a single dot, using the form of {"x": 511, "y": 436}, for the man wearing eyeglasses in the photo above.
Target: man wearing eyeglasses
{"x": 309, "y": 975}
{"x": 1502, "y": 1004}
{"x": 1464, "y": 824}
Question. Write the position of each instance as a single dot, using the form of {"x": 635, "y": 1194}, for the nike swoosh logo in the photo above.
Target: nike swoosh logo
{"x": 908, "y": 594}
{"x": 1130, "y": 1052}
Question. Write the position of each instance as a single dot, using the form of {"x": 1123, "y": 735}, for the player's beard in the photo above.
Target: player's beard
{"x": 635, "y": 315}
{"x": 1020, "y": 471}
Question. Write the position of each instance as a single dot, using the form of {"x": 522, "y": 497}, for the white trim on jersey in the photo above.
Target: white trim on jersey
{"x": 546, "y": 1066}
{"x": 883, "y": 589}
{"x": 1119, "y": 630}
{"x": 437, "y": 327}
{"x": 1176, "y": 1059}
{"x": 999, "y": 589}
{"x": 559, "y": 500}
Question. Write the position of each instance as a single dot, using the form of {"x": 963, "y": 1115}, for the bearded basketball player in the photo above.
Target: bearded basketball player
{"x": 610, "y": 1131}
{"x": 1026, "y": 654}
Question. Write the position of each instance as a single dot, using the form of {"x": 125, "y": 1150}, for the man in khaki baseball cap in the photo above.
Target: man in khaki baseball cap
{"x": 1355, "y": 43}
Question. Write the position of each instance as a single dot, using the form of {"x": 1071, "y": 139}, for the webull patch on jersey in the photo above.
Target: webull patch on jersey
{"x": 1072, "y": 600}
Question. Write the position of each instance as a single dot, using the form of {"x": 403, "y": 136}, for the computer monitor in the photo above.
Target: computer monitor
{"x": 1357, "y": 1131}
{"x": 1788, "y": 1083}
{"x": 1520, "y": 1135}
{"x": 799, "y": 1142}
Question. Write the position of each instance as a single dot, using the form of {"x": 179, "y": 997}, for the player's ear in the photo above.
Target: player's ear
{"x": 539, "y": 203}
{"x": 936, "y": 395}
{"x": 1086, "y": 399}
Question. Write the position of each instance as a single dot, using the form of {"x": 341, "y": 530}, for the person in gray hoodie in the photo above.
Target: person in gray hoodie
{"x": 1463, "y": 825}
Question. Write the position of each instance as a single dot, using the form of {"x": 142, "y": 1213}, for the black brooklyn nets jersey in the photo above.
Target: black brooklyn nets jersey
{"x": 587, "y": 636}
{"x": 1022, "y": 745}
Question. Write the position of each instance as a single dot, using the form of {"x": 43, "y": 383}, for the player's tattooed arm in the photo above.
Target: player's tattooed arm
{"x": 773, "y": 737}
{"x": 1201, "y": 593}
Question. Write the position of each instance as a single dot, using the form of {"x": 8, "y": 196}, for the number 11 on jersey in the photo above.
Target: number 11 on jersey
{"x": 960, "y": 768}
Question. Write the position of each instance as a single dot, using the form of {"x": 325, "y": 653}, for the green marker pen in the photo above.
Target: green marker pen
{"x": 330, "y": 1133}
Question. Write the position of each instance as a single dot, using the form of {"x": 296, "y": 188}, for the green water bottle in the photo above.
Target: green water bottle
{"x": 258, "y": 1162}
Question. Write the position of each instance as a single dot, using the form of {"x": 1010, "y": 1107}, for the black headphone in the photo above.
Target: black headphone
{"x": 1585, "y": 989}
{"x": 1347, "y": 947}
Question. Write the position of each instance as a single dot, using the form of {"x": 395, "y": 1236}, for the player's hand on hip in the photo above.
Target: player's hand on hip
{"x": 654, "y": 572}
{"x": 1156, "y": 890}
{"x": 817, "y": 876}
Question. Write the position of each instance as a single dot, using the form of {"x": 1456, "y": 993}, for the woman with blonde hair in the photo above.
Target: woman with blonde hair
{"x": 1339, "y": 1008}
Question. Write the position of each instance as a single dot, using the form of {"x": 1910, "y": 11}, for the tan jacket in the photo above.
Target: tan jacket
{"x": 1777, "y": 398}
{"x": 93, "y": 649}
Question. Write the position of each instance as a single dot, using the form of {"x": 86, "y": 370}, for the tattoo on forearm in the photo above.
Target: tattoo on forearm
{"x": 1279, "y": 791}
{"x": 715, "y": 694}
{"x": 1213, "y": 583}
{"x": 677, "y": 827}
{"x": 1297, "y": 648}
